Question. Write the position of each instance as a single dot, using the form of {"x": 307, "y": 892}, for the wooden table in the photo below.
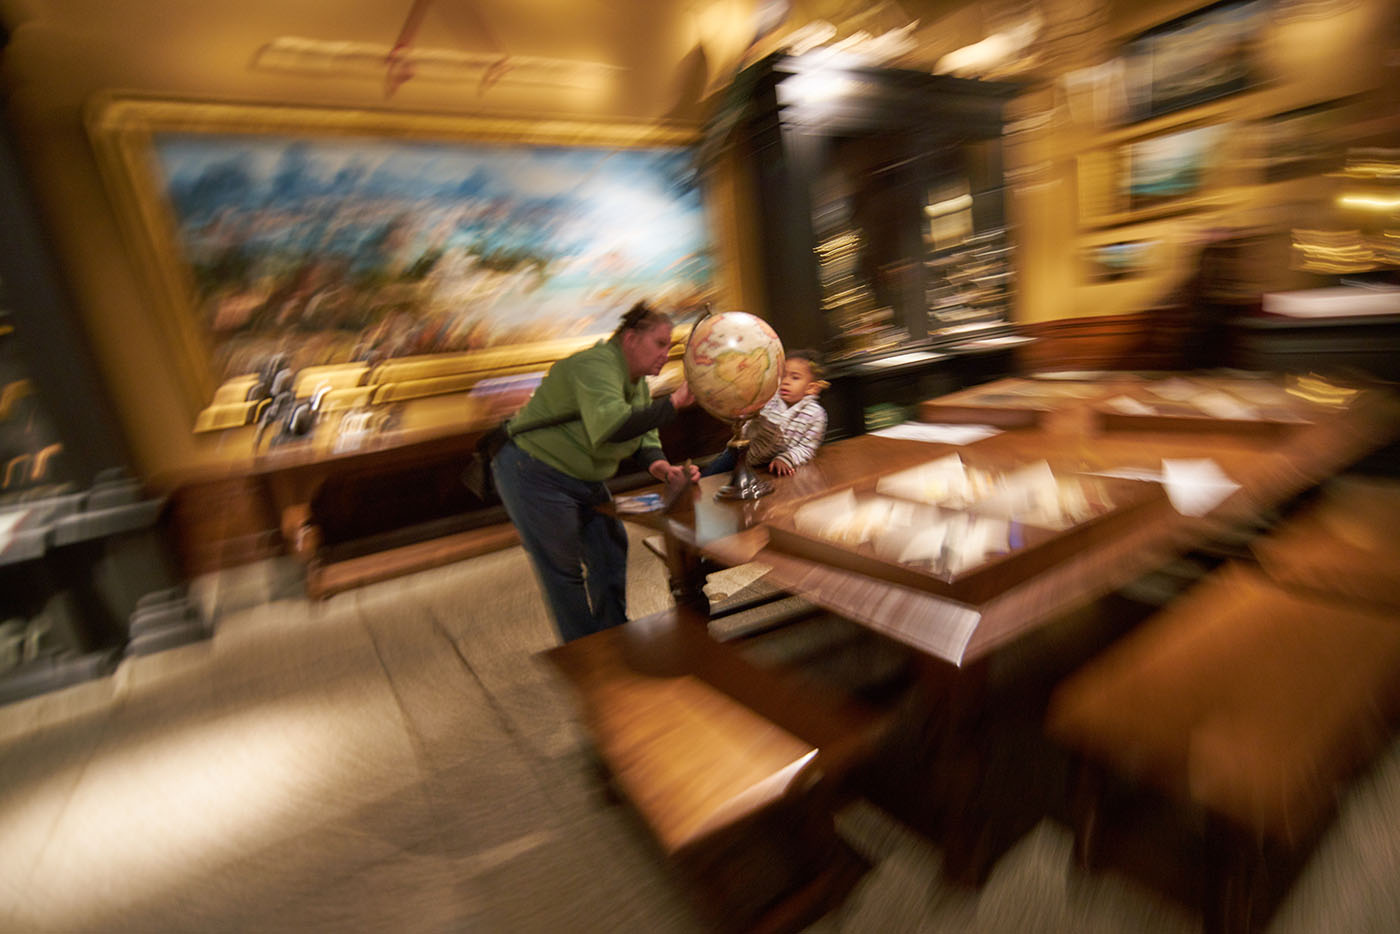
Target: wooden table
{"x": 1270, "y": 464}
{"x": 391, "y": 505}
{"x": 1078, "y": 426}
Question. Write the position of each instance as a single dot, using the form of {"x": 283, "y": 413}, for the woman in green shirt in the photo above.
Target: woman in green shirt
{"x": 551, "y": 478}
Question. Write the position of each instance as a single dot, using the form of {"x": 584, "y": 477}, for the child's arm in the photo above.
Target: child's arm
{"x": 804, "y": 433}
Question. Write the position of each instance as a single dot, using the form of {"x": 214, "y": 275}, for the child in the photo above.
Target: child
{"x": 789, "y": 428}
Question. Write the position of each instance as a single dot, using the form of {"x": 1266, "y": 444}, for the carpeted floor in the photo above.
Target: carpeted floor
{"x": 398, "y": 759}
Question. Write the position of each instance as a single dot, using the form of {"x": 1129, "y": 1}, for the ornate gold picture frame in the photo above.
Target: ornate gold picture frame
{"x": 448, "y": 249}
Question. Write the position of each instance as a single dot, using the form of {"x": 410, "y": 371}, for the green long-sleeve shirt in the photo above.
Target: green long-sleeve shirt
{"x": 593, "y": 382}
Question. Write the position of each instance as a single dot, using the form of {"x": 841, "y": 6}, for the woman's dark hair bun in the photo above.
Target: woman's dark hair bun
{"x": 639, "y": 317}
{"x": 635, "y": 316}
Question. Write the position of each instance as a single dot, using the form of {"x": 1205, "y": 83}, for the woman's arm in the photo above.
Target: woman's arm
{"x": 660, "y": 412}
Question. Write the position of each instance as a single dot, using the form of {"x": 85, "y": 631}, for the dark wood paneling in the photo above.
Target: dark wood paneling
{"x": 222, "y": 523}
{"x": 1146, "y": 340}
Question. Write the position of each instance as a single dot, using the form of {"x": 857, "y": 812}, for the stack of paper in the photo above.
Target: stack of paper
{"x": 938, "y": 434}
{"x": 1196, "y": 486}
{"x": 1129, "y": 406}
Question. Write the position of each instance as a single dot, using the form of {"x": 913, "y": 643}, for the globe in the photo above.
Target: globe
{"x": 733, "y": 362}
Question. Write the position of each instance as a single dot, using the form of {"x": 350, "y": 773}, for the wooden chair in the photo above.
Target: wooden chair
{"x": 734, "y": 769}
{"x": 1244, "y": 706}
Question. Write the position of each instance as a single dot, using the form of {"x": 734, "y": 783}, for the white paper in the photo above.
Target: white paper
{"x": 1223, "y": 405}
{"x": 1177, "y": 390}
{"x": 1027, "y": 491}
{"x": 936, "y": 625}
{"x": 9, "y": 525}
{"x": 1130, "y": 473}
{"x": 912, "y": 544}
{"x": 983, "y": 536}
{"x": 938, "y": 434}
{"x": 1074, "y": 375}
{"x": 814, "y": 517}
{"x": 1261, "y": 393}
{"x": 942, "y": 482}
{"x": 1129, "y": 406}
{"x": 1340, "y": 301}
{"x": 1196, "y": 486}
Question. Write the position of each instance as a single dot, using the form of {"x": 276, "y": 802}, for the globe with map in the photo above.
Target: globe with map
{"x": 733, "y": 362}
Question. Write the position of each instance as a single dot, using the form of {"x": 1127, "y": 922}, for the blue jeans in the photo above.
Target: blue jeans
{"x": 724, "y": 462}
{"x": 579, "y": 554}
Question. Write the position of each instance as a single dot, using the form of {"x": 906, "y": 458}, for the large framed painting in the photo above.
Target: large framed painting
{"x": 1204, "y": 55}
{"x": 333, "y": 237}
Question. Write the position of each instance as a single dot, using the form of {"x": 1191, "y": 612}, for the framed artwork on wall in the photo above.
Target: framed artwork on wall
{"x": 339, "y": 236}
{"x": 1170, "y": 166}
{"x": 1110, "y": 262}
{"x": 1204, "y": 55}
{"x": 1303, "y": 141}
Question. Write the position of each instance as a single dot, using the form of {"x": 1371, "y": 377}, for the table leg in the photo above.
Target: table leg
{"x": 687, "y": 570}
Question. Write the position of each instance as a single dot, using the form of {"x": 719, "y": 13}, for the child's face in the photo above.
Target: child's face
{"x": 797, "y": 381}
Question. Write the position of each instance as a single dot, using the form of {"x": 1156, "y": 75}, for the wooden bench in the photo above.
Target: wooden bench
{"x": 734, "y": 769}
{"x": 1245, "y": 706}
{"x": 1346, "y": 544}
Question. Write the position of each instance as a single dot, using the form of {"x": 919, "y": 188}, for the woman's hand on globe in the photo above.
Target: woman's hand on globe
{"x": 682, "y": 397}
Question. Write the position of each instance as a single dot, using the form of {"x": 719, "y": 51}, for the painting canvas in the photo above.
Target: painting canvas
{"x": 362, "y": 249}
{"x": 1199, "y": 57}
{"x": 1170, "y": 166}
{"x": 327, "y": 236}
{"x": 1109, "y": 262}
{"x": 1301, "y": 142}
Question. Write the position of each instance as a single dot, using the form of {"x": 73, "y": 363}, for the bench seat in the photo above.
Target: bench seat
{"x": 734, "y": 769}
{"x": 1346, "y": 544}
{"x": 1249, "y": 703}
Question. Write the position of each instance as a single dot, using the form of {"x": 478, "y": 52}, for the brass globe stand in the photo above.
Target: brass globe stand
{"x": 743, "y": 482}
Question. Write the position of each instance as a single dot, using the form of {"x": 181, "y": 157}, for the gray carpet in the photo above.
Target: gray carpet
{"x": 398, "y": 759}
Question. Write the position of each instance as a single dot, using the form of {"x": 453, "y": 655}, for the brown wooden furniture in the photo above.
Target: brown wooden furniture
{"x": 735, "y": 770}
{"x": 994, "y": 651}
{"x": 1269, "y": 470}
{"x": 1346, "y": 544}
{"x": 1247, "y": 703}
{"x": 393, "y": 506}
{"x": 1155, "y": 339}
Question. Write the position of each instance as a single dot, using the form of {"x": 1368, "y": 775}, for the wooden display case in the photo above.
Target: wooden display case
{"x": 1031, "y": 544}
{"x": 1242, "y": 408}
{"x": 878, "y": 222}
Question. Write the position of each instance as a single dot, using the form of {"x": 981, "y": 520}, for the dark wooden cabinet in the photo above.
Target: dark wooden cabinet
{"x": 879, "y": 208}
{"x": 85, "y": 574}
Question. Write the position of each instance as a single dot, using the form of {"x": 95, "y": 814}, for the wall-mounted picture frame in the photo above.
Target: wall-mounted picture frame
{"x": 1123, "y": 259}
{"x": 1301, "y": 142}
{"x": 1170, "y": 166}
{"x": 340, "y": 236}
{"x": 1204, "y": 55}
